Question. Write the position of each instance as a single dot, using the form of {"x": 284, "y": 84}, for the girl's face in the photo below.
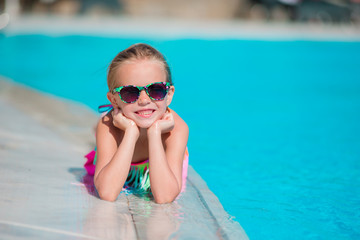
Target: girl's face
{"x": 145, "y": 111}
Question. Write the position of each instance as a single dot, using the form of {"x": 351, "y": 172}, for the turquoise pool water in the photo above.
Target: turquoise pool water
{"x": 274, "y": 124}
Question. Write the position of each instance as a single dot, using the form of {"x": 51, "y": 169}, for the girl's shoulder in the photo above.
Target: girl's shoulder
{"x": 177, "y": 138}
{"x": 105, "y": 125}
{"x": 180, "y": 124}
{"x": 106, "y": 120}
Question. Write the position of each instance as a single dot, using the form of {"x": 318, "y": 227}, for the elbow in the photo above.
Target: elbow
{"x": 165, "y": 198}
{"x": 108, "y": 198}
{"x": 106, "y": 195}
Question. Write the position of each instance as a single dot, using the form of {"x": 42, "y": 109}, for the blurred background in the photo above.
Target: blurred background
{"x": 318, "y": 11}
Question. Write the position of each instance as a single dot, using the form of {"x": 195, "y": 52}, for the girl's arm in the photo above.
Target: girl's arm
{"x": 113, "y": 161}
{"x": 165, "y": 162}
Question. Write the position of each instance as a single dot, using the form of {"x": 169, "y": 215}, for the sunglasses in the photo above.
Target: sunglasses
{"x": 130, "y": 93}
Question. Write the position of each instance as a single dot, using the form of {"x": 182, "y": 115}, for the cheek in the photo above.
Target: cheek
{"x": 126, "y": 110}
{"x": 162, "y": 108}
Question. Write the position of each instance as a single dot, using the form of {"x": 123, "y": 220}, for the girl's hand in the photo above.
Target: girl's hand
{"x": 122, "y": 122}
{"x": 163, "y": 125}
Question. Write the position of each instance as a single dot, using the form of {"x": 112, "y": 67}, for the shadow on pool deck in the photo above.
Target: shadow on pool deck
{"x": 45, "y": 193}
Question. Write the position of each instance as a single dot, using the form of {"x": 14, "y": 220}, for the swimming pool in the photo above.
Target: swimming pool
{"x": 274, "y": 125}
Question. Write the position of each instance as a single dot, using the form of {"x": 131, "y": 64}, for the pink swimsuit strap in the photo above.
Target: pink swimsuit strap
{"x": 140, "y": 163}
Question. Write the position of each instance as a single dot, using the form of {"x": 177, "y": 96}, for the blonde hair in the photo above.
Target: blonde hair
{"x": 138, "y": 51}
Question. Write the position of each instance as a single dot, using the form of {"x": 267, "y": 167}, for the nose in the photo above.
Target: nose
{"x": 143, "y": 98}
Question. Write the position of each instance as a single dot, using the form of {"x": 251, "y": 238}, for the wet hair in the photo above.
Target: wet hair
{"x": 138, "y": 51}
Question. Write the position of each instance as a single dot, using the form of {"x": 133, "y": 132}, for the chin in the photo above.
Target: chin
{"x": 145, "y": 125}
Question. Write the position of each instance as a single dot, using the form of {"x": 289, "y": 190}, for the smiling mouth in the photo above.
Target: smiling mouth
{"x": 145, "y": 113}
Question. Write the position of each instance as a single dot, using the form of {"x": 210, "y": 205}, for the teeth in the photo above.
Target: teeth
{"x": 145, "y": 112}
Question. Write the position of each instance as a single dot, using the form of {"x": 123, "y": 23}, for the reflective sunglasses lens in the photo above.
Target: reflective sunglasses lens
{"x": 129, "y": 94}
{"x": 157, "y": 91}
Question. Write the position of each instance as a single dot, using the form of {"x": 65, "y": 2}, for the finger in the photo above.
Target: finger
{"x": 166, "y": 116}
{"x": 116, "y": 111}
{"x": 169, "y": 117}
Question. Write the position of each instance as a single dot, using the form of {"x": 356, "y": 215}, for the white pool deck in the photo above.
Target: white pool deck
{"x": 172, "y": 28}
{"x": 46, "y": 194}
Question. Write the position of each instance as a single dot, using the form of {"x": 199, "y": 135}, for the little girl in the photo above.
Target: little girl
{"x": 141, "y": 143}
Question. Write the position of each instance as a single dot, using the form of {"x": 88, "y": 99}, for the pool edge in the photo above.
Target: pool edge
{"x": 35, "y": 104}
